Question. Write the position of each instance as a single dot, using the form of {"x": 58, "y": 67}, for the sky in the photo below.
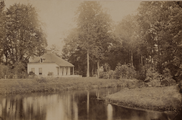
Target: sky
{"x": 58, "y": 16}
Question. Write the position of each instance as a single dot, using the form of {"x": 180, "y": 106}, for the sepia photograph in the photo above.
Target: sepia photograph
{"x": 90, "y": 60}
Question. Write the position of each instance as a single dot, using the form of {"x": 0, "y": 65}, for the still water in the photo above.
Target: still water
{"x": 70, "y": 105}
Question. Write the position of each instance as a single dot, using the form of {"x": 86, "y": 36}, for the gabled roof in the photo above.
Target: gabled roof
{"x": 51, "y": 58}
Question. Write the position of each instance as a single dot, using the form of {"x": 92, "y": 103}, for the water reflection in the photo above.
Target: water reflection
{"x": 71, "y": 105}
{"x": 109, "y": 112}
{"x": 87, "y": 104}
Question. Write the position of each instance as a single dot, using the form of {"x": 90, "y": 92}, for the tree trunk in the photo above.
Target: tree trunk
{"x": 131, "y": 58}
{"x": 98, "y": 69}
{"x": 92, "y": 71}
{"x": 141, "y": 60}
{"x": 88, "y": 75}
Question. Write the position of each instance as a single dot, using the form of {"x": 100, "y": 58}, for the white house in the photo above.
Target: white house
{"x": 50, "y": 64}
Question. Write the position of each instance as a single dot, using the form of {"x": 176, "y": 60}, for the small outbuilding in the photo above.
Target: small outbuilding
{"x": 50, "y": 64}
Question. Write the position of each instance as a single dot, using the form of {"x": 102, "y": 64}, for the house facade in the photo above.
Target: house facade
{"x": 50, "y": 64}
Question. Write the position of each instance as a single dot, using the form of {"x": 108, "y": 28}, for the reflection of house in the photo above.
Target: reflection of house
{"x": 50, "y": 64}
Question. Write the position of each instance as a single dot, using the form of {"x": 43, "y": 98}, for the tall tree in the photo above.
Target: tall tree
{"x": 24, "y": 36}
{"x": 2, "y": 28}
{"x": 93, "y": 29}
{"x": 127, "y": 34}
{"x": 55, "y": 49}
{"x": 160, "y": 22}
{"x": 71, "y": 44}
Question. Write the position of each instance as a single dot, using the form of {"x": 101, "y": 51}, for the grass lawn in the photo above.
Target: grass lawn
{"x": 152, "y": 98}
{"x": 11, "y": 86}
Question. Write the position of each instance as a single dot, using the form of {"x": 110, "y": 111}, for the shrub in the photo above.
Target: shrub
{"x": 19, "y": 70}
{"x": 31, "y": 74}
{"x": 94, "y": 75}
{"x": 167, "y": 78}
{"x": 125, "y": 71}
{"x": 41, "y": 80}
{"x": 151, "y": 74}
{"x": 101, "y": 74}
{"x": 141, "y": 73}
{"x": 140, "y": 84}
{"x": 167, "y": 73}
{"x": 4, "y": 70}
{"x": 164, "y": 83}
{"x": 156, "y": 79}
{"x": 104, "y": 75}
{"x": 50, "y": 73}
{"x": 106, "y": 67}
{"x": 111, "y": 74}
{"x": 107, "y": 75}
{"x": 155, "y": 83}
{"x": 16, "y": 71}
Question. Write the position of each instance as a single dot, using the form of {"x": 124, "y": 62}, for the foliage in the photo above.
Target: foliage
{"x": 21, "y": 37}
{"x": 167, "y": 79}
{"x": 18, "y": 71}
{"x": 93, "y": 26}
{"x": 55, "y": 49}
{"x": 125, "y": 71}
{"x": 141, "y": 73}
{"x": 126, "y": 33}
{"x": 156, "y": 79}
{"x": 50, "y": 74}
{"x": 161, "y": 31}
{"x": 111, "y": 74}
{"x": 167, "y": 74}
{"x": 107, "y": 75}
{"x": 4, "y": 70}
{"x": 31, "y": 73}
{"x": 24, "y": 36}
{"x": 152, "y": 74}
{"x": 91, "y": 38}
{"x": 2, "y": 27}
{"x": 104, "y": 75}
{"x": 106, "y": 67}
{"x": 152, "y": 36}
{"x": 154, "y": 83}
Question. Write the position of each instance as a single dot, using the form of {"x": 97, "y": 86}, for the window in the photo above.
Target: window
{"x": 40, "y": 71}
{"x": 42, "y": 60}
{"x": 33, "y": 70}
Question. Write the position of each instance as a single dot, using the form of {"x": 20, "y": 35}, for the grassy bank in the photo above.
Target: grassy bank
{"x": 134, "y": 94}
{"x": 11, "y": 86}
{"x": 151, "y": 98}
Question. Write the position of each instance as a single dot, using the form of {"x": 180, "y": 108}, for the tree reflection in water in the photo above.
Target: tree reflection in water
{"x": 70, "y": 105}
{"x": 109, "y": 112}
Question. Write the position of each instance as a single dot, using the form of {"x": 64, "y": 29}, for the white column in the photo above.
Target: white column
{"x": 73, "y": 70}
{"x": 64, "y": 70}
{"x": 60, "y": 71}
{"x": 68, "y": 73}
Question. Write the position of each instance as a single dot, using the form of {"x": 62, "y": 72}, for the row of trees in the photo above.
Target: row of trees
{"x": 21, "y": 35}
{"x": 152, "y": 36}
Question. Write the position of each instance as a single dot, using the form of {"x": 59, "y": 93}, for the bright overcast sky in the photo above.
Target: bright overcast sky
{"x": 58, "y": 15}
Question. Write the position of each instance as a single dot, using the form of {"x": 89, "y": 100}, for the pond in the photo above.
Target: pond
{"x": 70, "y": 105}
